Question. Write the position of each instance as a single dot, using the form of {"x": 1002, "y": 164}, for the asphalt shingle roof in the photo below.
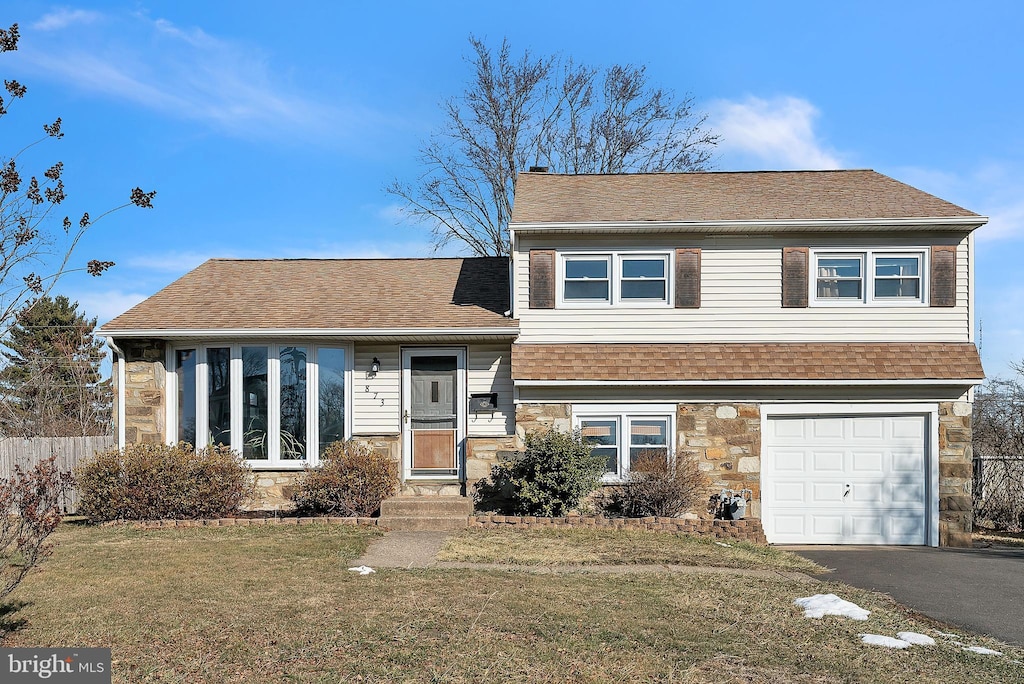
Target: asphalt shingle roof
{"x": 746, "y": 361}
{"x": 722, "y": 196}
{"x": 227, "y": 294}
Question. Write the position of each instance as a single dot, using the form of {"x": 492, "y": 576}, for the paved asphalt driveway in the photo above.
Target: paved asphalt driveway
{"x": 979, "y": 589}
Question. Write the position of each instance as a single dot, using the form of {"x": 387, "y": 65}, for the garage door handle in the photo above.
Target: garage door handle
{"x": 847, "y": 491}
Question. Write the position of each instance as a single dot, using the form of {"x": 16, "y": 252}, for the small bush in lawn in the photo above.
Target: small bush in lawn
{"x": 549, "y": 478}
{"x": 30, "y": 502}
{"x": 351, "y": 480}
{"x": 659, "y": 486}
{"x": 158, "y": 481}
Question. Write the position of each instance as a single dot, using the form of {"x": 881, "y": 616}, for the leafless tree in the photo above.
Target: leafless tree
{"x": 33, "y": 256}
{"x": 998, "y": 445}
{"x": 518, "y": 112}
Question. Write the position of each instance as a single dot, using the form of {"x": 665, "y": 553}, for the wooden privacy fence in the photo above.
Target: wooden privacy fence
{"x": 70, "y": 451}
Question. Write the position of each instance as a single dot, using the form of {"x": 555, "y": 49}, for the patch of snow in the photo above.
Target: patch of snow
{"x": 363, "y": 569}
{"x": 879, "y": 640}
{"x": 728, "y": 546}
{"x": 981, "y": 650}
{"x": 946, "y": 634}
{"x": 916, "y": 639}
{"x": 820, "y": 605}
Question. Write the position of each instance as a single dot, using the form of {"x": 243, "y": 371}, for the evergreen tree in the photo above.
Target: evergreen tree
{"x": 51, "y": 384}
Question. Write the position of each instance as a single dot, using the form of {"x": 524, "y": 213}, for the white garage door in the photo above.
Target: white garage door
{"x": 845, "y": 480}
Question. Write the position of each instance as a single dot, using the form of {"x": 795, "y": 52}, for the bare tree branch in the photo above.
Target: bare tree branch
{"x": 543, "y": 111}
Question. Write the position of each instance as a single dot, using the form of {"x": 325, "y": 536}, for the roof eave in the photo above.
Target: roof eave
{"x": 168, "y": 333}
{"x": 944, "y": 223}
{"x": 788, "y": 382}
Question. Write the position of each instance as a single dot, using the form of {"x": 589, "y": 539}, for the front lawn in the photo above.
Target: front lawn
{"x": 277, "y": 604}
{"x": 583, "y": 546}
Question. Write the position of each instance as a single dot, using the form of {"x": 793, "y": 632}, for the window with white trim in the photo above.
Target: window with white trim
{"x": 868, "y": 276}
{"x": 621, "y": 435}
{"x": 614, "y": 278}
{"x": 279, "y": 405}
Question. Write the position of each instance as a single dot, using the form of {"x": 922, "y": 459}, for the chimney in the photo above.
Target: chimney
{"x": 538, "y": 169}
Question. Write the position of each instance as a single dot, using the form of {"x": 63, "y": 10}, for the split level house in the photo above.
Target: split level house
{"x": 807, "y": 336}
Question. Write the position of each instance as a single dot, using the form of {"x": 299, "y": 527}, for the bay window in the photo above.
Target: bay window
{"x": 279, "y": 405}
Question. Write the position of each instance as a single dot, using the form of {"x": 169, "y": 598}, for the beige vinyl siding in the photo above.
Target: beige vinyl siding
{"x": 376, "y": 401}
{"x": 490, "y": 370}
{"x": 741, "y": 291}
{"x": 378, "y": 411}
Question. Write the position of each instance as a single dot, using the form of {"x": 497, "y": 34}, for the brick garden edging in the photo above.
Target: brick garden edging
{"x": 740, "y": 530}
{"x": 238, "y": 522}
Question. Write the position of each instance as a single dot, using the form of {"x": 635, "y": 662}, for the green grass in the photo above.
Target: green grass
{"x": 575, "y": 546}
{"x": 277, "y": 604}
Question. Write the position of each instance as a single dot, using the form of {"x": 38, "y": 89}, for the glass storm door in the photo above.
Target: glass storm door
{"x": 432, "y": 417}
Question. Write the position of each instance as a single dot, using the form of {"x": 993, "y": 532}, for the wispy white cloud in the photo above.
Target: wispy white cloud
{"x": 106, "y": 304}
{"x": 777, "y": 133}
{"x": 993, "y": 189}
{"x": 185, "y": 73}
{"x": 62, "y": 17}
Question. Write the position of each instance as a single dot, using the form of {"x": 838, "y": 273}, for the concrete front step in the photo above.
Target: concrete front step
{"x": 427, "y": 506}
{"x": 423, "y": 523}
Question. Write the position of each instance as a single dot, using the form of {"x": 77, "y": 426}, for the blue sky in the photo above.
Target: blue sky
{"x": 270, "y": 129}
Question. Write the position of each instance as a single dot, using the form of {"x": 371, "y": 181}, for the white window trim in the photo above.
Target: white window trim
{"x": 614, "y": 258}
{"x": 274, "y": 462}
{"x": 867, "y": 258}
{"x": 623, "y": 414}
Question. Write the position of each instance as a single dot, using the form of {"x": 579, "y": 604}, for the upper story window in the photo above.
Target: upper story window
{"x": 611, "y": 278}
{"x": 279, "y": 405}
{"x": 868, "y": 276}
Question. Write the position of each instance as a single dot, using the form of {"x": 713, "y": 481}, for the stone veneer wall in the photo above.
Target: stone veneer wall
{"x": 484, "y": 452}
{"x": 144, "y": 407}
{"x": 725, "y": 439}
{"x": 956, "y": 512}
{"x": 274, "y": 488}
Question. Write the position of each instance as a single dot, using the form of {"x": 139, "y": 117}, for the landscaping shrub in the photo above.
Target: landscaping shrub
{"x": 549, "y": 478}
{"x": 659, "y": 486}
{"x": 351, "y": 480}
{"x": 157, "y": 481}
{"x": 31, "y": 500}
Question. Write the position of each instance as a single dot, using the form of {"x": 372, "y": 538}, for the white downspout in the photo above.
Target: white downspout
{"x": 119, "y": 356}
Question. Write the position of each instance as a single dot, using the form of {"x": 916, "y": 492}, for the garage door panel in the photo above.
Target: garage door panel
{"x": 827, "y": 493}
{"x": 787, "y": 493}
{"x": 830, "y": 462}
{"x": 826, "y": 428}
{"x": 864, "y": 493}
{"x": 867, "y": 429}
{"x": 906, "y": 493}
{"x": 788, "y": 428}
{"x": 908, "y": 427}
{"x": 907, "y": 462}
{"x": 791, "y": 460}
{"x": 862, "y": 462}
{"x": 867, "y": 525}
{"x": 877, "y": 461}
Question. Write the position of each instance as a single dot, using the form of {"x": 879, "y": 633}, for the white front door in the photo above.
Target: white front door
{"x": 433, "y": 412}
{"x": 860, "y": 479}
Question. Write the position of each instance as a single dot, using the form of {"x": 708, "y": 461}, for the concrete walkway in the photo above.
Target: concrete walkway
{"x": 419, "y": 550}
